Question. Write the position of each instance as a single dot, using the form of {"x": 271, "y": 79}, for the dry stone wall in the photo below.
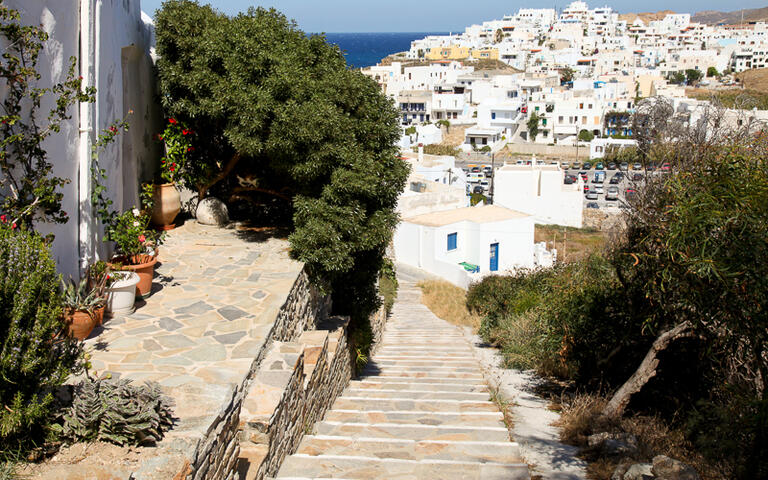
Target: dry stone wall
{"x": 215, "y": 457}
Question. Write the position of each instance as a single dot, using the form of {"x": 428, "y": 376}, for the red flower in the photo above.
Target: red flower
{"x": 113, "y": 129}
{"x": 14, "y": 225}
{"x": 80, "y": 77}
{"x": 184, "y": 131}
{"x": 172, "y": 121}
{"x": 3, "y": 218}
{"x": 142, "y": 238}
{"x": 189, "y": 149}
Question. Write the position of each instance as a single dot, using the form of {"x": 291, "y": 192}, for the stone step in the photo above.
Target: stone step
{"x": 410, "y": 449}
{"x": 348, "y": 402}
{"x": 414, "y": 431}
{"x": 425, "y": 357}
{"x": 373, "y": 384}
{"x": 371, "y": 468}
{"x": 423, "y": 380}
{"x": 416, "y": 394}
{"x": 424, "y": 362}
{"x": 443, "y": 375}
{"x": 469, "y": 419}
{"x": 417, "y": 369}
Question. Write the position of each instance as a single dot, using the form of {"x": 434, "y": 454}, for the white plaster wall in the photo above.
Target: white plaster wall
{"x": 122, "y": 72}
{"x": 540, "y": 193}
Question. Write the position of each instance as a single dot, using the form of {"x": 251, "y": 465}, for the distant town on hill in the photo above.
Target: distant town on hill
{"x": 709, "y": 17}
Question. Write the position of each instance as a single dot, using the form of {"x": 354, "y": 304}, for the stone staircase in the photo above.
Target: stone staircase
{"x": 421, "y": 409}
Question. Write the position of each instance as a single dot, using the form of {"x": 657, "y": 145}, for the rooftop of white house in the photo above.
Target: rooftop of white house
{"x": 484, "y": 214}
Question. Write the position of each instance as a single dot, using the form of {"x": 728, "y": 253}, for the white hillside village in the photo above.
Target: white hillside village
{"x": 541, "y": 98}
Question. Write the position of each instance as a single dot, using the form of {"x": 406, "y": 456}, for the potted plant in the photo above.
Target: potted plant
{"x": 166, "y": 199}
{"x": 83, "y": 307}
{"x": 137, "y": 246}
{"x": 119, "y": 287}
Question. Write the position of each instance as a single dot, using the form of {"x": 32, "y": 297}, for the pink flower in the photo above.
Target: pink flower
{"x": 142, "y": 238}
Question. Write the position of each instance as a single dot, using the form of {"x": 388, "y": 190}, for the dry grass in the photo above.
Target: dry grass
{"x": 454, "y": 135}
{"x": 572, "y": 244}
{"x": 448, "y": 302}
{"x": 755, "y": 79}
{"x": 580, "y": 417}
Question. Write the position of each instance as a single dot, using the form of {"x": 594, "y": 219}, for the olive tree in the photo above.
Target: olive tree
{"x": 280, "y": 116}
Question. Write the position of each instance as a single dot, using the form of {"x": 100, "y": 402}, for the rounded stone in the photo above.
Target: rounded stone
{"x": 212, "y": 211}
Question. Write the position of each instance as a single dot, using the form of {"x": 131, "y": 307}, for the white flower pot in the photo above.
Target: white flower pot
{"x": 122, "y": 294}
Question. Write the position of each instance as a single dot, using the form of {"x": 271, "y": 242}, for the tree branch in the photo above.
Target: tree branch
{"x": 646, "y": 370}
{"x": 220, "y": 176}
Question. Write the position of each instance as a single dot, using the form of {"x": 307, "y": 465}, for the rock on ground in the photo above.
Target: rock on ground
{"x": 212, "y": 211}
{"x": 666, "y": 468}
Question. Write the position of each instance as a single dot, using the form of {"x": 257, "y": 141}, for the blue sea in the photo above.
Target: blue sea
{"x": 367, "y": 49}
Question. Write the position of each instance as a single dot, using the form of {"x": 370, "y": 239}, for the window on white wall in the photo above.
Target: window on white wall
{"x": 452, "y": 241}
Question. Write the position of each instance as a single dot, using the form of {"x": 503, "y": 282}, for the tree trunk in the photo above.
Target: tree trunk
{"x": 221, "y": 176}
{"x": 646, "y": 370}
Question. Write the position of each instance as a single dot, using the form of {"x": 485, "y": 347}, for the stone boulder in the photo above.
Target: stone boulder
{"x": 613, "y": 443}
{"x": 665, "y": 468}
{"x": 639, "y": 471}
{"x": 212, "y": 211}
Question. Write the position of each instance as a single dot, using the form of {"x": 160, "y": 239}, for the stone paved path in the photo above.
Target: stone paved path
{"x": 421, "y": 410}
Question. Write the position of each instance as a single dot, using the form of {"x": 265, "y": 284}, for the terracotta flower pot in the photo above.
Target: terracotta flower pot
{"x": 144, "y": 266}
{"x": 167, "y": 204}
{"x": 81, "y": 324}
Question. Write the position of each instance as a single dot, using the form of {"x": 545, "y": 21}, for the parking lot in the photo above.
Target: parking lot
{"x": 629, "y": 179}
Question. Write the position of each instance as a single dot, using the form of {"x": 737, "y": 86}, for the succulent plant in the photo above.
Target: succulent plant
{"x": 117, "y": 411}
{"x": 80, "y": 297}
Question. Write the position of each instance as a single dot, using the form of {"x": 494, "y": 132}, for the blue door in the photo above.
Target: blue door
{"x": 494, "y": 257}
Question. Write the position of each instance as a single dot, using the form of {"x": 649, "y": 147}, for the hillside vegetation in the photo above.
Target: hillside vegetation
{"x": 666, "y": 328}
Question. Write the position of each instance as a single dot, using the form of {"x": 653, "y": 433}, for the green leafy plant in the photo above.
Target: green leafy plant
{"x": 178, "y": 146}
{"x": 586, "y": 136}
{"x": 36, "y": 354}
{"x": 99, "y": 198}
{"x": 117, "y": 411}
{"x": 533, "y": 126}
{"x": 80, "y": 296}
{"x": 30, "y": 192}
{"x": 132, "y": 234}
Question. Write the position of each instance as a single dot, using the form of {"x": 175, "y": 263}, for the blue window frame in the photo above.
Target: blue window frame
{"x": 493, "y": 115}
{"x": 451, "y": 241}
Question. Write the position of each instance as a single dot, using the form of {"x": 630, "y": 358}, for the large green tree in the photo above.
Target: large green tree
{"x": 280, "y": 116}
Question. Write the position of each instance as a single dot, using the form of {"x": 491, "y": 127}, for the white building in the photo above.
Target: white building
{"x": 112, "y": 42}
{"x": 598, "y": 147}
{"x": 450, "y": 243}
{"x": 538, "y": 190}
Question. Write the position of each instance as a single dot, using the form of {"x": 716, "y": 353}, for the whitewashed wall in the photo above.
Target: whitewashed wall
{"x": 111, "y": 40}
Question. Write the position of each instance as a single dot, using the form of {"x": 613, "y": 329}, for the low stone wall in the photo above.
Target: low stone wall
{"x": 603, "y": 220}
{"x": 378, "y": 322}
{"x": 216, "y": 455}
{"x": 303, "y": 310}
{"x": 307, "y": 383}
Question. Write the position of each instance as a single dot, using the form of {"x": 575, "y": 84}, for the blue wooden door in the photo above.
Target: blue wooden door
{"x": 494, "y": 257}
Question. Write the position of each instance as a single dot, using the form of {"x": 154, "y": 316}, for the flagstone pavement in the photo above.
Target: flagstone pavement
{"x": 216, "y": 294}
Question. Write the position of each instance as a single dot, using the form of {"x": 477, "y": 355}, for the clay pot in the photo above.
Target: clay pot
{"x": 167, "y": 204}
{"x": 81, "y": 324}
{"x": 144, "y": 266}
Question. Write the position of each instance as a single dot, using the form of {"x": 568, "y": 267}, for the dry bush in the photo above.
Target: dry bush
{"x": 448, "y": 302}
{"x": 581, "y": 417}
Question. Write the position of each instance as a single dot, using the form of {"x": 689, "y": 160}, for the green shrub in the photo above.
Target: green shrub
{"x": 36, "y": 355}
{"x": 117, "y": 411}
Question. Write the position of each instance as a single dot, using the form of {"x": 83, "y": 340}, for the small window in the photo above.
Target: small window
{"x": 451, "y": 241}
{"x": 493, "y": 115}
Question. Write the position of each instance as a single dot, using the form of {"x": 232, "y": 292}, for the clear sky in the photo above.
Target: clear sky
{"x": 432, "y": 15}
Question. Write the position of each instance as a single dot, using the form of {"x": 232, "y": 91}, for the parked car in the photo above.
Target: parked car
{"x": 617, "y": 178}
{"x": 637, "y": 176}
{"x": 650, "y": 167}
{"x": 591, "y": 196}
{"x": 586, "y": 188}
{"x": 613, "y": 193}
{"x": 565, "y": 165}
{"x": 487, "y": 168}
{"x": 592, "y": 205}
{"x": 599, "y": 190}
{"x": 599, "y": 166}
{"x": 599, "y": 177}
{"x": 630, "y": 193}
{"x": 623, "y": 166}
{"x": 576, "y": 165}
{"x": 611, "y": 166}
{"x": 637, "y": 166}
{"x": 587, "y": 166}
{"x": 570, "y": 179}
{"x": 665, "y": 167}
{"x": 475, "y": 170}
{"x": 477, "y": 189}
